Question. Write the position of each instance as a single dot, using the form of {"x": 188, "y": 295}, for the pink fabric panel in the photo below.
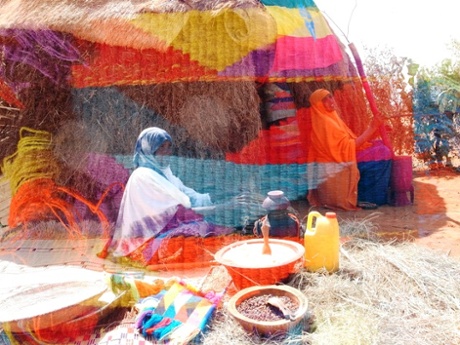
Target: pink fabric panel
{"x": 306, "y": 53}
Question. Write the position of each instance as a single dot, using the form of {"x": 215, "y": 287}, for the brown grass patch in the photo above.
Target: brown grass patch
{"x": 384, "y": 293}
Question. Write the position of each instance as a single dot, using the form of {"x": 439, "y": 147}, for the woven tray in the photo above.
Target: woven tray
{"x": 33, "y": 308}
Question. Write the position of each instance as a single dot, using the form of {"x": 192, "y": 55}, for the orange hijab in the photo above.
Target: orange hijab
{"x": 331, "y": 139}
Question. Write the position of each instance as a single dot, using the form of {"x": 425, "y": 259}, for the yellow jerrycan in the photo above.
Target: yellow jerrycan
{"x": 322, "y": 242}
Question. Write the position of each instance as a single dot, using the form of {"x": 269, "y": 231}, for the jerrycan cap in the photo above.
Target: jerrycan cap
{"x": 331, "y": 215}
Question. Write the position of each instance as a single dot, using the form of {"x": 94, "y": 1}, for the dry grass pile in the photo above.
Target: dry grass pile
{"x": 53, "y": 230}
{"x": 220, "y": 115}
{"x": 384, "y": 293}
{"x": 363, "y": 228}
{"x": 84, "y": 13}
{"x": 75, "y": 140}
{"x": 204, "y": 119}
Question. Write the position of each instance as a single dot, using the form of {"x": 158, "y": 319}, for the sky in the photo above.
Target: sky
{"x": 417, "y": 29}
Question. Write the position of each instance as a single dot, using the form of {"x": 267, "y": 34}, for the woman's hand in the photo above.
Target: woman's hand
{"x": 376, "y": 122}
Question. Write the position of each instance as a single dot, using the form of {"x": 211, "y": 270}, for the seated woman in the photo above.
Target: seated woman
{"x": 156, "y": 203}
{"x": 334, "y": 178}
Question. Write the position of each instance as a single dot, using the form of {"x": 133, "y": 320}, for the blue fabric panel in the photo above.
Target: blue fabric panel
{"x": 224, "y": 180}
{"x": 374, "y": 181}
{"x": 290, "y": 3}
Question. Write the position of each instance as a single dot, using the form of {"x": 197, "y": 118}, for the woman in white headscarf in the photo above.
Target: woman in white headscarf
{"x": 156, "y": 203}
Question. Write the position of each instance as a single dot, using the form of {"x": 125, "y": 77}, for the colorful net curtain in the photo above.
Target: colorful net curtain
{"x": 103, "y": 72}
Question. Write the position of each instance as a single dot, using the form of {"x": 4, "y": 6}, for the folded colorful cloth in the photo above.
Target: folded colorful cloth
{"x": 181, "y": 314}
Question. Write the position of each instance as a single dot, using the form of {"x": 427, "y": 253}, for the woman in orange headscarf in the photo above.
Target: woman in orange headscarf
{"x": 334, "y": 177}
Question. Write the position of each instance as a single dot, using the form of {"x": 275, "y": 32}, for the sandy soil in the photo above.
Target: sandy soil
{"x": 433, "y": 219}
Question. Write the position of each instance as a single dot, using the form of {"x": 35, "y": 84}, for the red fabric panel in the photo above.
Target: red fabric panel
{"x": 127, "y": 66}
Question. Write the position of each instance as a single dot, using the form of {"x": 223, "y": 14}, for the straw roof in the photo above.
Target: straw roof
{"x": 95, "y": 20}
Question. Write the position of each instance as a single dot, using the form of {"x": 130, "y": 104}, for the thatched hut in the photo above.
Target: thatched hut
{"x": 227, "y": 78}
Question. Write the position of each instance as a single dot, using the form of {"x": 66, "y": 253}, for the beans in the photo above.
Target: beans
{"x": 256, "y": 308}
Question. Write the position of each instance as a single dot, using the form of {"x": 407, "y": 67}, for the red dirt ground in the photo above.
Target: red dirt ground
{"x": 434, "y": 218}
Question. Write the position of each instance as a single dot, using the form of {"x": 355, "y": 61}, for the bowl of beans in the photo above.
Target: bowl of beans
{"x": 253, "y": 308}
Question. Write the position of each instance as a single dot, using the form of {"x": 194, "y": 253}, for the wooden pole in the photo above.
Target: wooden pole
{"x": 370, "y": 96}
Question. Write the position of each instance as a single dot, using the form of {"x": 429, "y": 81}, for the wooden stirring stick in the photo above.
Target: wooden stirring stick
{"x": 266, "y": 250}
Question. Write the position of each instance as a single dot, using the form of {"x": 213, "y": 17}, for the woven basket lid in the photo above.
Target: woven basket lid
{"x": 61, "y": 299}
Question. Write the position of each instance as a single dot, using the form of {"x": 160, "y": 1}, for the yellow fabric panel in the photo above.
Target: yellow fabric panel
{"x": 215, "y": 39}
{"x": 171, "y": 295}
{"x": 291, "y": 23}
{"x": 165, "y": 26}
